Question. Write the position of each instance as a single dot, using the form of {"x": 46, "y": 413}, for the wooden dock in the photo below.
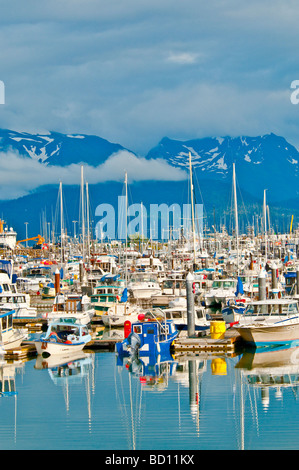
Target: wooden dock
{"x": 227, "y": 345}
{"x": 22, "y": 352}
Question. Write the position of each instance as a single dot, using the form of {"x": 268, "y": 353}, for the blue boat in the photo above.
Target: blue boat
{"x": 150, "y": 335}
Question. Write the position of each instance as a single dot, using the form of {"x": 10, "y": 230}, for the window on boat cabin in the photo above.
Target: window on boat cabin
{"x": 228, "y": 284}
{"x": 199, "y": 313}
{"x": 176, "y": 315}
{"x": 5, "y": 287}
{"x": 216, "y": 284}
{"x": 6, "y": 322}
{"x": 150, "y": 331}
{"x": 137, "y": 329}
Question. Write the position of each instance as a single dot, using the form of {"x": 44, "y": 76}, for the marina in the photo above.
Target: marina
{"x": 149, "y": 228}
{"x": 169, "y": 343}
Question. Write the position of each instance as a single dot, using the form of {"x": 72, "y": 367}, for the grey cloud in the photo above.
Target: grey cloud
{"x": 135, "y": 71}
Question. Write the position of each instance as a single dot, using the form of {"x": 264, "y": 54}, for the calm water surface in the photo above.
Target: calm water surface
{"x": 96, "y": 402}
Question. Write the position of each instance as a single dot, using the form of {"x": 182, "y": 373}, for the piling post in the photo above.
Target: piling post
{"x": 57, "y": 282}
{"x": 262, "y": 284}
{"x": 190, "y": 305}
{"x": 274, "y": 276}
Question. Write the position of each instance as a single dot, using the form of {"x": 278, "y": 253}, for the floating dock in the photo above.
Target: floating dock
{"x": 228, "y": 344}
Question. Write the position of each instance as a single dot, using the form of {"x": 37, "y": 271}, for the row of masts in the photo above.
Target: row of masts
{"x": 85, "y": 218}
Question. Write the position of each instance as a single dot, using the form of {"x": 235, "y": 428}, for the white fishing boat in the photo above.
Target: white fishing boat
{"x": 63, "y": 337}
{"x": 144, "y": 286}
{"x": 179, "y": 316}
{"x": 74, "y": 306}
{"x": 33, "y": 277}
{"x": 119, "y": 313}
{"x": 10, "y": 337}
{"x": 220, "y": 292}
{"x": 105, "y": 296}
{"x": 12, "y": 299}
{"x": 268, "y": 322}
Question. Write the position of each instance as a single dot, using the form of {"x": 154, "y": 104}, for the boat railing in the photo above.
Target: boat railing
{"x": 156, "y": 314}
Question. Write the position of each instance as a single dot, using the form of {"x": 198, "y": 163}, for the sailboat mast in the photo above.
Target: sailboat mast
{"x": 61, "y": 222}
{"x": 265, "y": 226}
{"x": 82, "y": 213}
{"x": 236, "y": 215}
{"x": 126, "y": 219}
{"x": 192, "y": 209}
{"x": 87, "y": 221}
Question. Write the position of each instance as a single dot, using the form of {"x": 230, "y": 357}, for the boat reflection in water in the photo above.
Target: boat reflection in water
{"x": 70, "y": 369}
{"x": 275, "y": 368}
{"x": 154, "y": 374}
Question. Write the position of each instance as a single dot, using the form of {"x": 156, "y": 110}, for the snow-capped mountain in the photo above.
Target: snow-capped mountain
{"x": 55, "y": 148}
{"x": 265, "y": 162}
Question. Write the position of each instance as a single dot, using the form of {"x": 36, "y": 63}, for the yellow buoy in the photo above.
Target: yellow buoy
{"x": 217, "y": 329}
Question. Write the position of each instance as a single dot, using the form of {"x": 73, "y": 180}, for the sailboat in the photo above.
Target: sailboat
{"x": 121, "y": 311}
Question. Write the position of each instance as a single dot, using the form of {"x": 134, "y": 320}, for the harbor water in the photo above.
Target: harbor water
{"x": 96, "y": 401}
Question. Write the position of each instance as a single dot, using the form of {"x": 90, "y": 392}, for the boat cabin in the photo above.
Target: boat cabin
{"x": 272, "y": 307}
{"x": 70, "y": 304}
{"x": 65, "y": 330}
{"x": 6, "y": 322}
{"x": 151, "y": 332}
{"x": 224, "y": 284}
{"x": 290, "y": 281}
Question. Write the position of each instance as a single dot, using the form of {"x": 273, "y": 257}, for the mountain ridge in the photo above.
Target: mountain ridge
{"x": 262, "y": 162}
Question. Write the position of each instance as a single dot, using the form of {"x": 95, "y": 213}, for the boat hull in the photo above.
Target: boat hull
{"x": 265, "y": 335}
{"x": 14, "y": 340}
{"x": 48, "y": 348}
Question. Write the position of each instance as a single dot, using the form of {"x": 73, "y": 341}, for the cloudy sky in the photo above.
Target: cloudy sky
{"x": 135, "y": 71}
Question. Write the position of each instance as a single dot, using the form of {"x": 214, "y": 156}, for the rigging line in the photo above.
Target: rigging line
{"x": 198, "y": 185}
{"x": 244, "y": 207}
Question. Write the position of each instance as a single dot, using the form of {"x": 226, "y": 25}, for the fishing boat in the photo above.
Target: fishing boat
{"x": 62, "y": 337}
{"x": 143, "y": 286}
{"x": 119, "y": 313}
{"x": 236, "y": 305}
{"x": 12, "y": 299}
{"x": 105, "y": 296}
{"x": 9, "y": 337}
{"x": 48, "y": 291}
{"x": 33, "y": 277}
{"x": 220, "y": 292}
{"x": 270, "y": 322}
{"x": 179, "y": 316}
{"x": 150, "y": 335}
{"x": 68, "y": 306}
